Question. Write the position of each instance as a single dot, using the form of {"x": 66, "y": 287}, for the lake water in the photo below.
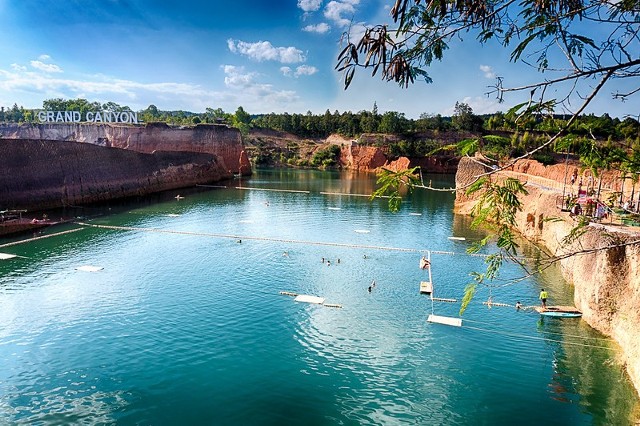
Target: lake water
{"x": 185, "y": 324}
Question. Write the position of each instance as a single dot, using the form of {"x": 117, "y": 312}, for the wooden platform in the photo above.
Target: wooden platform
{"x": 559, "y": 311}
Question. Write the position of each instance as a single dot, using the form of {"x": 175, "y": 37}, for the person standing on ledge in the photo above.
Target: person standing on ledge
{"x": 543, "y": 298}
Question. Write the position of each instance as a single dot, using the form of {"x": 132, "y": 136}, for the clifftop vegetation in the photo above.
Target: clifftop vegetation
{"x": 500, "y": 135}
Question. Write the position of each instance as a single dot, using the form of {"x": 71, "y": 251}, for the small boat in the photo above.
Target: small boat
{"x": 559, "y": 311}
{"x": 12, "y": 222}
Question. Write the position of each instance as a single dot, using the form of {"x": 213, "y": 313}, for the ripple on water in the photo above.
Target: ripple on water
{"x": 191, "y": 329}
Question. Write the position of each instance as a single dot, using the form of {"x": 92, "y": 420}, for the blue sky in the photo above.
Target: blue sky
{"x": 266, "y": 56}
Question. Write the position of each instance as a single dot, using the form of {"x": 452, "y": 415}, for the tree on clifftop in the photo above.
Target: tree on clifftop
{"x": 577, "y": 46}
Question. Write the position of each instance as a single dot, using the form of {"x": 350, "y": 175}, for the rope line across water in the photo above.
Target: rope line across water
{"x": 545, "y": 339}
{"x": 28, "y": 240}
{"x": 279, "y": 240}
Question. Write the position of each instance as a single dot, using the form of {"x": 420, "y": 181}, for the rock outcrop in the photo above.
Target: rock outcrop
{"x": 606, "y": 281}
{"x": 222, "y": 141}
{"x": 371, "y": 158}
{"x": 39, "y": 174}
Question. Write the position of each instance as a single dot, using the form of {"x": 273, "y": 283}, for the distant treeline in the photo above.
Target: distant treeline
{"x": 351, "y": 124}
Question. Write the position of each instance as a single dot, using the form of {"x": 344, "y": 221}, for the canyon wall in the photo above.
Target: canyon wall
{"x": 222, "y": 141}
{"x": 371, "y": 158}
{"x": 39, "y": 174}
{"x": 606, "y": 282}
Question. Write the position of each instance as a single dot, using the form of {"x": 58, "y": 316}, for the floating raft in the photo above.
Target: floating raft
{"x": 309, "y": 299}
{"x": 457, "y": 238}
{"x": 89, "y": 268}
{"x": 5, "y": 256}
{"x": 426, "y": 287}
{"x": 456, "y": 322}
{"x": 559, "y": 311}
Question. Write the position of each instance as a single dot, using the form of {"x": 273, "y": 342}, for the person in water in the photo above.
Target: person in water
{"x": 424, "y": 263}
{"x": 369, "y": 289}
{"x": 543, "y": 298}
{"x": 518, "y": 305}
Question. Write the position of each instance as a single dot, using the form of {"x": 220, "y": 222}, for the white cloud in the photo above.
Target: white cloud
{"x": 245, "y": 91}
{"x": 285, "y": 71}
{"x": 241, "y": 88}
{"x": 479, "y": 105}
{"x": 17, "y": 67}
{"x": 357, "y": 30}
{"x": 39, "y": 65}
{"x": 44, "y": 58}
{"x": 236, "y": 77}
{"x": 265, "y": 51}
{"x": 301, "y": 70}
{"x": 35, "y": 82}
{"x": 309, "y": 5}
{"x": 488, "y": 71}
{"x": 305, "y": 70}
{"x": 336, "y": 11}
{"x": 320, "y": 28}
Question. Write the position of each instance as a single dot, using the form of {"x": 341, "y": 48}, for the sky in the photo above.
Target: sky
{"x": 266, "y": 56}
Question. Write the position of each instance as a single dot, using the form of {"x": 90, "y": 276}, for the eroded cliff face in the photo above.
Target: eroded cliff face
{"x": 223, "y": 141}
{"x": 606, "y": 282}
{"x": 39, "y": 174}
{"x": 371, "y": 158}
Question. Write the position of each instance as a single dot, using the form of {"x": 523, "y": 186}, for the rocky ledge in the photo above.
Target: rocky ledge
{"x": 606, "y": 282}
{"x": 40, "y": 174}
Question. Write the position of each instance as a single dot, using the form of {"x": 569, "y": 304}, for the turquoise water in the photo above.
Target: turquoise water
{"x": 185, "y": 324}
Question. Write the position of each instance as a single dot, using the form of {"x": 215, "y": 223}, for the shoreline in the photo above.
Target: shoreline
{"x": 605, "y": 283}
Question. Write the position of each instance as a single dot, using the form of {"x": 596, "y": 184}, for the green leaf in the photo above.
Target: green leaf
{"x": 469, "y": 292}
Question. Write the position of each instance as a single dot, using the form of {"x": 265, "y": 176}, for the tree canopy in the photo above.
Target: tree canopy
{"x": 568, "y": 41}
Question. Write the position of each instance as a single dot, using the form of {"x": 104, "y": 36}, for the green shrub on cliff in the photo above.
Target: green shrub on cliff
{"x": 327, "y": 157}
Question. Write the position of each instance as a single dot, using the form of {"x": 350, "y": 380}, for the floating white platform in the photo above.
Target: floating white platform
{"x": 456, "y": 322}
{"x": 309, "y": 299}
{"x": 362, "y": 231}
{"x": 89, "y": 268}
{"x": 5, "y": 256}
{"x": 457, "y": 238}
{"x": 426, "y": 287}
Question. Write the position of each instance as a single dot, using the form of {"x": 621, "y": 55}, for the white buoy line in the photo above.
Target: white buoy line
{"x": 282, "y": 240}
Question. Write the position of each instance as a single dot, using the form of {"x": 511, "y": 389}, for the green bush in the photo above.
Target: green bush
{"x": 546, "y": 159}
{"x": 327, "y": 157}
